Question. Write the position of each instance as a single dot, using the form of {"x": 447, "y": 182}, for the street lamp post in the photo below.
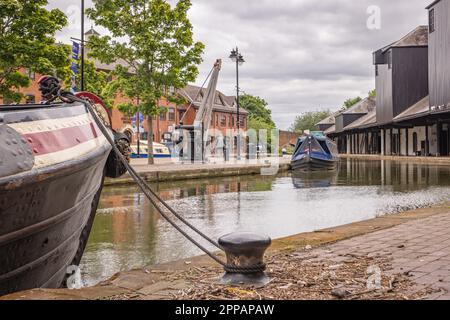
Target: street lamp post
{"x": 237, "y": 57}
{"x": 82, "y": 45}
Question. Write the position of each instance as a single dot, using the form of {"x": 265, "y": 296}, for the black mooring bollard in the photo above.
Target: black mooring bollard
{"x": 245, "y": 258}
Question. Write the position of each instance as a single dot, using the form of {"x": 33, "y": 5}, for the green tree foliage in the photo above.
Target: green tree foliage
{"x": 260, "y": 116}
{"x": 157, "y": 49}
{"x": 308, "y": 120}
{"x": 258, "y": 124}
{"x": 27, "y": 40}
{"x": 372, "y": 94}
{"x": 96, "y": 81}
{"x": 351, "y": 102}
{"x": 257, "y": 108}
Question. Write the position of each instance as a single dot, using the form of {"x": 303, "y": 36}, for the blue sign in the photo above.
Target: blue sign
{"x": 74, "y": 66}
{"x": 141, "y": 118}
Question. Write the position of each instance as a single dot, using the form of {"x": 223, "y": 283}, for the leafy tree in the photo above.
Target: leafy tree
{"x": 372, "y": 94}
{"x": 156, "y": 57}
{"x": 351, "y": 102}
{"x": 96, "y": 81}
{"x": 257, "y": 124}
{"x": 27, "y": 40}
{"x": 257, "y": 108}
{"x": 260, "y": 116}
{"x": 308, "y": 120}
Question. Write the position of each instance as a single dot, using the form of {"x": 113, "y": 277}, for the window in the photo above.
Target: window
{"x": 223, "y": 121}
{"x": 31, "y": 74}
{"x": 30, "y": 99}
{"x": 244, "y": 122}
{"x": 171, "y": 114}
{"x": 163, "y": 116}
{"x": 389, "y": 59}
{"x": 432, "y": 25}
{"x": 181, "y": 115}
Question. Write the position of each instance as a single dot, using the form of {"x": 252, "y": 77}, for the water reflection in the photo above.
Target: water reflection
{"x": 128, "y": 233}
{"x": 316, "y": 179}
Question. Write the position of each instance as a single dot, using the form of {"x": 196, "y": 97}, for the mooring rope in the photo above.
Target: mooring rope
{"x": 148, "y": 191}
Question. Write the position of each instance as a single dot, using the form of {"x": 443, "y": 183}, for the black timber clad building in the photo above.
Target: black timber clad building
{"x": 401, "y": 74}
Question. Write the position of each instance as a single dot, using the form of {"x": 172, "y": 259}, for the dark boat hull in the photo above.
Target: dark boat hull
{"x": 43, "y": 243}
{"x": 312, "y": 164}
{"x": 46, "y": 214}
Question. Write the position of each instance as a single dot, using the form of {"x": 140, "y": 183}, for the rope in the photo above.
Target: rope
{"x": 148, "y": 191}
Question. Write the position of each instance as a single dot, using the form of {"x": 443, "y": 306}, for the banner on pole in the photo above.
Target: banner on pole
{"x": 74, "y": 66}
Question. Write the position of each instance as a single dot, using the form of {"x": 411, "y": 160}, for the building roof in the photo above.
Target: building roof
{"x": 369, "y": 120}
{"x": 364, "y": 106}
{"x": 91, "y": 32}
{"x": 223, "y": 103}
{"x": 110, "y": 67}
{"x": 331, "y": 119}
{"x": 330, "y": 130}
{"x": 100, "y": 65}
{"x": 419, "y": 109}
{"x": 433, "y": 4}
{"x": 416, "y": 38}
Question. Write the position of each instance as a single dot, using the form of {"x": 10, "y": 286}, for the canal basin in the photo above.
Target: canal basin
{"x": 128, "y": 233}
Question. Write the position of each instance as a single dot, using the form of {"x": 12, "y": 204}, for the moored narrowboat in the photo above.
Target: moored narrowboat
{"x": 315, "y": 152}
{"x": 53, "y": 160}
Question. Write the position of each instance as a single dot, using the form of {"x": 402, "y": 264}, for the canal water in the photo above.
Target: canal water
{"x": 129, "y": 234}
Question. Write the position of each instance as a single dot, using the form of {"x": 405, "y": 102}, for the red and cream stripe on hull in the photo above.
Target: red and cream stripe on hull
{"x": 55, "y": 141}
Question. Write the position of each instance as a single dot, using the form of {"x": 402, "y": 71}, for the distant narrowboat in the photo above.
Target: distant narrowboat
{"x": 315, "y": 152}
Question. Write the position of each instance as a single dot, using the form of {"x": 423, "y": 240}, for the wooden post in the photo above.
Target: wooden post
{"x": 427, "y": 141}
{"x": 407, "y": 142}
{"x": 357, "y": 144}
{"x": 392, "y": 139}
{"x": 367, "y": 143}
{"x": 438, "y": 138}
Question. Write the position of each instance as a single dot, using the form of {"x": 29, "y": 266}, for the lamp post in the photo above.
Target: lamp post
{"x": 82, "y": 45}
{"x": 237, "y": 57}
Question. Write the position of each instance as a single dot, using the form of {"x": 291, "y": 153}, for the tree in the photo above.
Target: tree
{"x": 309, "y": 120}
{"x": 258, "y": 124}
{"x": 96, "y": 81}
{"x": 257, "y": 108}
{"x": 27, "y": 40}
{"x": 156, "y": 57}
{"x": 372, "y": 94}
{"x": 260, "y": 116}
{"x": 351, "y": 102}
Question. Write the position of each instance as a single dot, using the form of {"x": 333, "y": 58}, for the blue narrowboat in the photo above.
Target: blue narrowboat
{"x": 315, "y": 152}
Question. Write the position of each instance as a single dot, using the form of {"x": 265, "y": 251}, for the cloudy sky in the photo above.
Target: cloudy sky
{"x": 301, "y": 55}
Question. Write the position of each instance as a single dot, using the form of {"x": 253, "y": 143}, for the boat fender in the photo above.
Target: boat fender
{"x": 114, "y": 167}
